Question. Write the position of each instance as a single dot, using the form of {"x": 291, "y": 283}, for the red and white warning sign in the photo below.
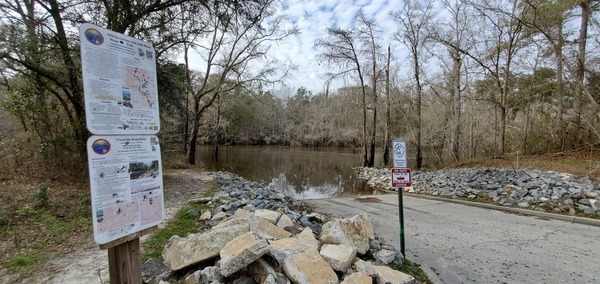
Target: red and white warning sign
{"x": 401, "y": 177}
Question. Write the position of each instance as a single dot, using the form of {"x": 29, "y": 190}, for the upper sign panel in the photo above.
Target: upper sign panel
{"x": 119, "y": 82}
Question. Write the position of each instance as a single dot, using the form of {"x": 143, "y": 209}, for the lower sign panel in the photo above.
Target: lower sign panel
{"x": 126, "y": 185}
{"x": 401, "y": 177}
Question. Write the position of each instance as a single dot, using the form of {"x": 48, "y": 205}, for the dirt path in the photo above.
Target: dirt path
{"x": 89, "y": 264}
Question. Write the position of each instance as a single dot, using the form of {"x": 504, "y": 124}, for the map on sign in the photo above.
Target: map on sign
{"x": 119, "y": 82}
{"x": 126, "y": 185}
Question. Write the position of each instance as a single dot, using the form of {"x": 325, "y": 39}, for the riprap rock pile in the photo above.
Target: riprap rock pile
{"x": 256, "y": 236}
{"x": 525, "y": 188}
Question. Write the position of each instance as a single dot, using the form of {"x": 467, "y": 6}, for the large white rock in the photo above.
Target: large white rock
{"x": 242, "y": 251}
{"x": 309, "y": 267}
{"x": 356, "y": 232}
{"x": 595, "y": 203}
{"x": 267, "y": 230}
{"x": 242, "y": 213}
{"x": 206, "y": 215}
{"x": 308, "y": 238}
{"x": 365, "y": 267}
{"x": 219, "y": 216}
{"x": 385, "y": 256}
{"x": 339, "y": 256}
{"x": 269, "y": 215}
{"x": 183, "y": 252}
{"x": 285, "y": 222}
{"x": 281, "y": 249}
{"x": 386, "y": 275}
{"x": 358, "y": 278}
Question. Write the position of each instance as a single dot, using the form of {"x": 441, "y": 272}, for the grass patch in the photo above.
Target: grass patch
{"x": 184, "y": 223}
{"x": 40, "y": 222}
{"x": 24, "y": 263}
{"x": 415, "y": 270}
{"x": 214, "y": 188}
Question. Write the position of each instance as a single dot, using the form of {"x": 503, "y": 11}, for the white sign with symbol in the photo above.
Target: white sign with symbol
{"x": 399, "y": 154}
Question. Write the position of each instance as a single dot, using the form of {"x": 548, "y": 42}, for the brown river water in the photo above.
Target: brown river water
{"x": 299, "y": 172}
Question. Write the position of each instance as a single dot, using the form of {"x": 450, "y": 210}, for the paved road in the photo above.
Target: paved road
{"x": 463, "y": 244}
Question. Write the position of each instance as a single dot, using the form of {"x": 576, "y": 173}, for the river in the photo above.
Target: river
{"x": 301, "y": 173}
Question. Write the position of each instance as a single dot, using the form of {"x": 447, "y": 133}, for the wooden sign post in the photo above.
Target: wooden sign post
{"x": 124, "y": 261}
{"x": 124, "y": 162}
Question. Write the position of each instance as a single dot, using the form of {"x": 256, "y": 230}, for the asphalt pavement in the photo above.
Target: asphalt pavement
{"x": 455, "y": 243}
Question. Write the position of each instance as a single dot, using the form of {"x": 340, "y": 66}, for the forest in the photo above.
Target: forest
{"x": 475, "y": 78}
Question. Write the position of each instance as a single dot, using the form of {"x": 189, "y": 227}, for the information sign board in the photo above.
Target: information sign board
{"x": 119, "y": 80}
{"x": 399, "y": 149}
{"x": 126, "y": 185}
{"x": 401, "y": 177}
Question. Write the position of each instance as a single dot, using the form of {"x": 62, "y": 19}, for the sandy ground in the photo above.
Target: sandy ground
{"x": 89, "y": 264}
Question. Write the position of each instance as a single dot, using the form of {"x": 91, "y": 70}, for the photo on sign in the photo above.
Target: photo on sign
{"x": 139, "y": 170}
{"x": 126, "y": 95}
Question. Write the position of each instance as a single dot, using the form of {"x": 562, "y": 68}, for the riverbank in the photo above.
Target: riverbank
{"x": 545, "y": 191}
{"x": 258, "y": 234}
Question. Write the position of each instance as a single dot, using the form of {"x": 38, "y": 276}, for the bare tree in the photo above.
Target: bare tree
{"x": 235, "y": 41}
{"x": 386, "y": 135}
{"x": 339, "y": 48}
{"x": 369, "y": 32}
{"x": 585, "y": 6}
{"x": 414, "y": 19}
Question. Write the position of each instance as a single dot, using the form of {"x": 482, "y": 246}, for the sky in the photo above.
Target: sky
{"x": 312, "y": 18}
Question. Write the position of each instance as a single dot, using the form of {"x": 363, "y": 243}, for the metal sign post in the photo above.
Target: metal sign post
{"x": 401, "y": 177}
{"x": 401, "y": 215}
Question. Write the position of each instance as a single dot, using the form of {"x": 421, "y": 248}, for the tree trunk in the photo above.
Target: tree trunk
{"x": 217, "y": 127}
{"x": 191, "y": 154}
{"x": 419, "y": 157}
{"x": 525, "y": 131}
{"x": 374, "y": 124}
{"x": 580, "y": 70}
{"x": 457, "y": 103}
{"x": 364, "y": 114}
{"x": 186, "y": 127}
{"x": 501, "y": 127}
{"x": 386, "y": 135}
{"x": 560, "y": 85}
{"x": 188, "y": 80}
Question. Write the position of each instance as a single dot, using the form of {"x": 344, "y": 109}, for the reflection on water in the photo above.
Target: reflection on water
{"x": 301, "y": 173}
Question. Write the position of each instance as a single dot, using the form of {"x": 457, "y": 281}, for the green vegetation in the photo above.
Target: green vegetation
{"x": 184, "y": 223}
{"x": 40, "y": 196}
{"x": 415, "y": 270}
{"x": 42, "y": 225}
{"x": 25, "y": 263}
